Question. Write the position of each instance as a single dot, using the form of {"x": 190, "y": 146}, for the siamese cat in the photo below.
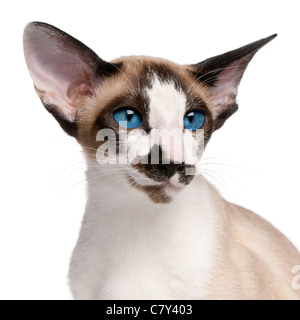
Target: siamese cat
{"x": 154, "y": 227}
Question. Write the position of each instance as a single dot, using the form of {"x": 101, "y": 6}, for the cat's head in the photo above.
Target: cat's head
{"x": 151, "y": 116}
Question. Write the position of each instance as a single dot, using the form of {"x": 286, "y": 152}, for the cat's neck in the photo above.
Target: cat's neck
{"x": 109, "y": 190}
{"x": 111, "y": 197}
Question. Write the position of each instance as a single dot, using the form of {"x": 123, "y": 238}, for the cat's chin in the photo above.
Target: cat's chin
{"x": 159, "y": 193}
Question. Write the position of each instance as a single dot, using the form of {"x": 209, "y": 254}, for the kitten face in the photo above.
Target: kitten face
{"x": 170, "y": 110}
{"x": 162, "y": 93}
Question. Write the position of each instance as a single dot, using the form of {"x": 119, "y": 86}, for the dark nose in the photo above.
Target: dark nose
{"x": 171, "y": 169}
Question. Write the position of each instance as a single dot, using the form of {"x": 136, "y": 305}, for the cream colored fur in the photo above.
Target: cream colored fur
{"x": 197, "y": 247}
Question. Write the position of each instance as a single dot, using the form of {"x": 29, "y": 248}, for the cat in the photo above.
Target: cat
{"x": 155, "y": 229}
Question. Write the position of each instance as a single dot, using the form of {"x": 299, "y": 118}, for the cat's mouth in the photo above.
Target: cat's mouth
{"x": 158, "y": 191}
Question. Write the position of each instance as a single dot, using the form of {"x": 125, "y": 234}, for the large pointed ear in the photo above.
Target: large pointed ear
{"x": 222, "y": 75}
{"x": 63, "y": 69}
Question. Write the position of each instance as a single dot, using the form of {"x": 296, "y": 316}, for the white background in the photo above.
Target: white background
{"x": 42, "y": 181}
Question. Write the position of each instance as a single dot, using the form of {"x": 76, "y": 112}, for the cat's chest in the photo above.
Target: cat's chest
{"x": 138, "y": 250}
{"x": 154, "y": 271}
{"x": 169, "y": 260}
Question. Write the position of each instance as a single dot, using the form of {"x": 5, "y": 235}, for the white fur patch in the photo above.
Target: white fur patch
{"x": 167, "y": 105}
{"x": 142, "y": 179}
{"x": 166, "y": 111}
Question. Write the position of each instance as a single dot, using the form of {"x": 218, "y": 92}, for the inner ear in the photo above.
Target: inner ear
{"x": 63, "y": 70}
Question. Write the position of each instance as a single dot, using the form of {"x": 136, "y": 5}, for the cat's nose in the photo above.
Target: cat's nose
{"x": 171, "y": 169}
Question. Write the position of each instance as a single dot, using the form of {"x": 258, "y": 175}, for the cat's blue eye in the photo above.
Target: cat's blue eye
{"x": 194, "y": 120}
{"x": 128, "y": 118}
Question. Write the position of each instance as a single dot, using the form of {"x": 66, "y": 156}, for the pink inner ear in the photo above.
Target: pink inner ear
{"x": 225, "y": 89}
{"x": 58, "y": 75}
